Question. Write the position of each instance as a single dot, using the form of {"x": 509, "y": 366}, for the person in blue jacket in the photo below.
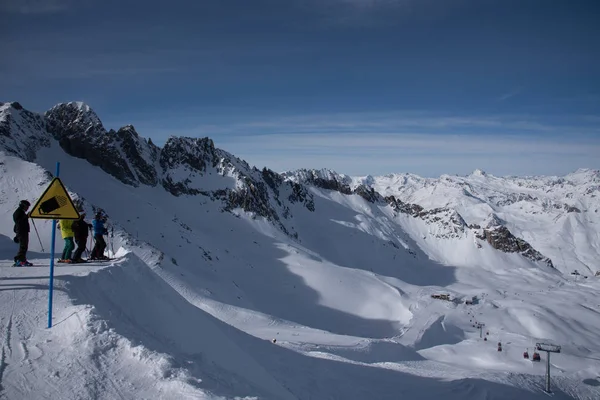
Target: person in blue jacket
{"x": 99, "y": 232}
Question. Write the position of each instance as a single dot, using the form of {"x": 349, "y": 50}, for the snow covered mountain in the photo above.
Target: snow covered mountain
{"x": 555, "y": 220}
{"x": 234, "y": 282}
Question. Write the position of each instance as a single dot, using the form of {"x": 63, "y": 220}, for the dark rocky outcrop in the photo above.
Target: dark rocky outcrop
{"x": 22, "y": 132}
{"x": 80, "y": 133}
{"x": 265, "y": 193}
{"x": 183, "y": 159}
{"x": 141, "y": 154}
{"x": 570, "y": 209}
{"x": 123, "y": 154}
{"x": 324, "y": 179}
{"x": 512, "y": 198}
{"x": 402, "y": 207}
{"x": 450, "y": 221}
{"x": 495, "y": 233}
{"x": 191, "y": 152}
{"x": 502, "y": 239}
{"x": 368, "y": 194}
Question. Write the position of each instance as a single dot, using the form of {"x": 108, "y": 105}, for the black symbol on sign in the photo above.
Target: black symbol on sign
{"x": 52, "y": 204}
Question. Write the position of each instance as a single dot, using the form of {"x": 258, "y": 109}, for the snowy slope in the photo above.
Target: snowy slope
{"x": 558, "y": 216}
{"x": 198, "y": 291}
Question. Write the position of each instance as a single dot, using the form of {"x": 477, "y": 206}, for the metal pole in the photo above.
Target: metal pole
{"x": 548, "y": 372}
{"x": 38, "y": 236}
{"x": 51, "y": 286}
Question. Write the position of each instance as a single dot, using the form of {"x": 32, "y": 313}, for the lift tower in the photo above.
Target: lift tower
{"x": 548, "y": 348}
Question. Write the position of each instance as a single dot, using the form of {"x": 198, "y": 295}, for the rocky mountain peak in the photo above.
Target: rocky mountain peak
{"x": 323, "y": 178}
{"x": 73, "y": 119}
{"x": 187, "y": 150}
{"x": 22, "y": 132}
{"x": 14, "y": 104}
{"x": 492, "y": 221}
{"x": 500, "y": 238}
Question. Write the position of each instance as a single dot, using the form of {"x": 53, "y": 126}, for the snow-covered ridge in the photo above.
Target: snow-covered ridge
{"x": 557, "y": 217}
{"x": 183, "y": 166}
{"x": 193, "y": 166}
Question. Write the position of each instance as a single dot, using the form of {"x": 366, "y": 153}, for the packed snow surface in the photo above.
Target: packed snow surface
{"x": 199, "y": 303}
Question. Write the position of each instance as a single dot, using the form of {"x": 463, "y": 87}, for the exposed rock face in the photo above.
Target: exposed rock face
{"x": 192, "y": 152}
{"x": 266, "y": 196}
{"x": 497, "y": 235}
{"x": 324, "y": 179}
{"x": 74, "y": 119}
{"x": 493, "y": 221}
{"x": 368, "y": 194}
{"x": 81, "y": 134}
{"x": 450, "y": 219}
{"x": 512, "y": 198}
{"x": 330, "y": 180}
{"x": 450, "y": 224}
{"x": 502, "y": 239}
{"x": 22, "y": 132}
{"x": 182, "y": 161}
{"x": 570, "y": 209}
{"x": 141, "y": 154}
{"x": 402, "y": 207}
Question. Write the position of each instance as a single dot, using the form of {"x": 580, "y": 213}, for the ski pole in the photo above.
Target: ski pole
{"x": 112, "y": 235}
{"x": 38, "y": 236}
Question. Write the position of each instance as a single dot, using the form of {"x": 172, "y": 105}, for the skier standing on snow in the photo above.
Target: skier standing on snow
{"x": 80, "y": 232}
{"x": 21, "y": 230}
{"x": 99, "y": 231}
{"x": 66, "y": 231}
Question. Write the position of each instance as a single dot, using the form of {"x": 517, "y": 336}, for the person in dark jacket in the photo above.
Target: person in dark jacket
{"x": 80, "y": 233}
{"x": 99, "y": 230}
{"x": 21, "y": 229}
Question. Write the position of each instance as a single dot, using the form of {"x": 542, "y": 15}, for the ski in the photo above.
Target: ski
{"x": 20, "y": 266}
{"x": 58, "y": 264}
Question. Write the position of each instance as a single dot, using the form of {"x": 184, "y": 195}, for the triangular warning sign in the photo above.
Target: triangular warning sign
{"x": 55, "y": 203}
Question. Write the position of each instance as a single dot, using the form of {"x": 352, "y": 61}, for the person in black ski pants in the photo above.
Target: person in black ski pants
{"x": 21, "y": 229}
{"x": 99, "y": 231}
{"x": 80, "y": 233}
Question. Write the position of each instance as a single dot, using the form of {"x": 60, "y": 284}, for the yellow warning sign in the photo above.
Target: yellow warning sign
{"x": 55, "y": 203}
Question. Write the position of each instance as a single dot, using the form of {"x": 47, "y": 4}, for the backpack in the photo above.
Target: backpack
{"x": 79, "y": 228}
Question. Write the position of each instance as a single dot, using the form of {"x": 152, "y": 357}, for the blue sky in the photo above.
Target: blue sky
{"x": 359, "y": 86}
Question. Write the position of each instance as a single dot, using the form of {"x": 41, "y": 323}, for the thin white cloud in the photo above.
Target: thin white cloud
{"x": 411, "y": 144}
{"x": 424, "y": 154}
{"x": 510, "y": 94}
{"x": 388, "y": 122}
{"x": 386, "y": 142}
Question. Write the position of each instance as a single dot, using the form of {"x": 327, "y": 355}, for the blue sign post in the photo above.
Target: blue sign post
{"x": 55, "y": 203}
{"x": 51, "y": 286}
